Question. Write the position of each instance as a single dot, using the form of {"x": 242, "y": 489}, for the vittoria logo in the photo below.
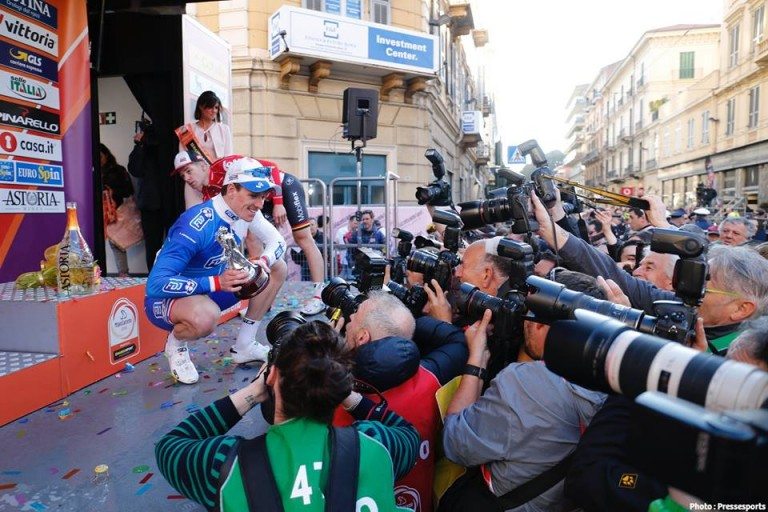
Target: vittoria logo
{"x": 37, "y": 37}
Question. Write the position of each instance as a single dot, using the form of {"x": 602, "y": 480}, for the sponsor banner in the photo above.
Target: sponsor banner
{"x": 28, "y": 118}
{"x": 7, "y": 171}
{"x": 36, "y": 9}
{"x": 39, "y": 174}
{"x": 18, "y": 29}
{"x": 30, "y": 146}
{"x": 28, "y": 89}
{"x": 123, "y": 327}
{"x": 14, "y": 200}
{"x": 28, "y": 61}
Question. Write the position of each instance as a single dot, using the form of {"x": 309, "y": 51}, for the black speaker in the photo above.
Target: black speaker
{"x": 360, "y": 113}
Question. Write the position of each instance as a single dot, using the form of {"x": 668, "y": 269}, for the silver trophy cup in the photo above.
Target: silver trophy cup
{"x": 258, "y": 278}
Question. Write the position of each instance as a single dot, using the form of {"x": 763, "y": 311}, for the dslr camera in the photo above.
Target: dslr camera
{"x": 404, "y": 247}
{"x": 370, "y": 265}
{"x": 340, "y": 299}
{"x": 414, "y": 298}
{"x": 437, "y": 192}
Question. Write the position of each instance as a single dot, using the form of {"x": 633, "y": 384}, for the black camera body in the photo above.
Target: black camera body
{"x": 414, "y": 298}
{"x": 404, "y": 247}
{"x": 437, "y": 265}
{"x": 370, "y": 265}
{"x": 437, "y": 192}
{"x": 542, "y": 176}
{"x": 691, "y": 271}
{"x": 705, "y": 195}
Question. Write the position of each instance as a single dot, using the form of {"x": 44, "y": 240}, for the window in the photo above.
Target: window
{"x": 678, "y": 137}
{"x": 705, "y": 127}
{"x": 327, "y": 166}
{"x": 757, "y": 27}
{"x": 666, "y": 142}
{"x": 754, "y": 106}
{"x": 751, "y": 176}
{"x": 729, "y": 179}
{"x": 315, "y": 5}
{"x": 733, "y": 46}
{"x": 686, "y": 64}
{"x": 730, "y": 116}
{"x": 380, "y": 11}
{"x": 689, "y": 145}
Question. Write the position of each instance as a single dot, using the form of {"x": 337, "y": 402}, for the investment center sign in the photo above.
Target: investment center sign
{"x": 326, "y": 36}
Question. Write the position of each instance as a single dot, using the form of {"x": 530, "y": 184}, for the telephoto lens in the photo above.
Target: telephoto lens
{"x": 338, "y": 295}
{"x": 414, "y": 298}
{"x": 476, "y": 214}
{"x": 472, "y": 302}
{"x": 599, "y": 353}
{"x": 432, "y": 266}
{"x": 282, "y": 325}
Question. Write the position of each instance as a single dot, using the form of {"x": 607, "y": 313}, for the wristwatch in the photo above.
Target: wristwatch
{"x": 480, "y": 373}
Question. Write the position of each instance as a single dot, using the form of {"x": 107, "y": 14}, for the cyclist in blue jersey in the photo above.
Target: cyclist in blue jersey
{"x": 190, "y": 283}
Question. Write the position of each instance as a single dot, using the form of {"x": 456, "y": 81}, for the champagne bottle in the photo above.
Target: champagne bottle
{"x": 74, "y": 260}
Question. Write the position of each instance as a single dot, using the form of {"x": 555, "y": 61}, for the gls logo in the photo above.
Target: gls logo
{"x": 35, "y": 60}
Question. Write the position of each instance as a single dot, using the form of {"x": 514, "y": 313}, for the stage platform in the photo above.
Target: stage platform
{"x": 49, "y": 456}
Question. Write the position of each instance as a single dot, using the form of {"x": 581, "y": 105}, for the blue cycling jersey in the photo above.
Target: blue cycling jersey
{"x": 191, "y": 257}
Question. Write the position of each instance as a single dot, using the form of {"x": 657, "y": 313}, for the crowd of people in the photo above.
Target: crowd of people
{"x": 448, "y": 411}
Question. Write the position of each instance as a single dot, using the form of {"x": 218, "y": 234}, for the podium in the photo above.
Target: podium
{"x": 52, "y": 347}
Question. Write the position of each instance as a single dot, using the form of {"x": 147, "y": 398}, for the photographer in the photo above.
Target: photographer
{"x": 522, "y": 428}
{"x": 407, "y": 374}
{"x": 737, "y": 289}
{"x": 309, "y": 376}
{"x": 480, "y": 266}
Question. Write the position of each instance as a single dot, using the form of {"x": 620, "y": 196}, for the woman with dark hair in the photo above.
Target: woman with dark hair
{"x": 207, "y": 136}
{"x": 297, "y": 464}
{"x": 117, "y": 186}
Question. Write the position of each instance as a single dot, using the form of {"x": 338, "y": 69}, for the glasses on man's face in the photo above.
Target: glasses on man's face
{"x": 722, "y": 292}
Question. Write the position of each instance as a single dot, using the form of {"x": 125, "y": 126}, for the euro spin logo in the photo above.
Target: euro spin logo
{"x": 201, "y": 219}
{"x": 20, "y": 87}
{"x": 25, "y": 57}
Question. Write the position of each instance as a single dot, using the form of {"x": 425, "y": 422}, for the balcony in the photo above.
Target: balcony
{"x": 609, "y": 146}
{"x": 482, "y": 155}
{"x": 620, "y": 102}
{"x": 761, "y": 53}
{"x": 614, "y": 177}
{"x": 640, "y": 82}
{"x": 651, "y": 164}
{"x": 590, "y": 157}
{"x": 327, "y": 44}
{"x": 471, "y": 128}
{"x": 638, "y": 126}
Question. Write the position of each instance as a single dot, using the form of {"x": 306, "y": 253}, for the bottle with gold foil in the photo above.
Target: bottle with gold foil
{"x": 74, "y": 260}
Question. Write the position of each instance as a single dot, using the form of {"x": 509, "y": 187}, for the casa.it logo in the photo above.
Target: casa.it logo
{"x": 27, "y": 90}
{"x": 407, "y": 497}
{"x": 8, "y": 142}
{"x": 25, "y": 57}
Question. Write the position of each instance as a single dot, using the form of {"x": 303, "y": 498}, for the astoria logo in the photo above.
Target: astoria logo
{"x": 24, "y": 89}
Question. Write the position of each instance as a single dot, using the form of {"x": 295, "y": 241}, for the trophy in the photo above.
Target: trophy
{"x": 258, "y": 278}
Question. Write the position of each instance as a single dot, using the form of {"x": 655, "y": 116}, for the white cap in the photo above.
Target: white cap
{"x": 249, "y": 173}
{"x": 701, "y": 211}
{"x": 184, "y": 158}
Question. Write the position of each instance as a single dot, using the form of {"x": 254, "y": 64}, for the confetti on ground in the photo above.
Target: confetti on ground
{"x": 103, "y": 390}
{"x": 69, "y": 474}
{"x": 105, "y": 430}
{"x": 144, "y": 488}
{"x": 129, "y": 368}
{"x": 146, "y": 478}
{"x": 13, "y": 472}
{"x": 141, "y": 469}
{"x": 209, "y": 390}
{"x": 37, "y": 505}
{"x": 65, "y": 413}
{"x": 122, "y": 392}
{"x": 53, "y": 471}
{"x": 175, "y": 497}
{"x": 24, "y": 420}
{"x": 20, "y": 434}
{"x": 7, "y": 486}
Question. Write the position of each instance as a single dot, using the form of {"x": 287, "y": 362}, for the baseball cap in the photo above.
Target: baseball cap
{"x": 713, "y": 230}
{"x": 183, "y": 159}
{"x": 249, "y": 173}
{"x": 676, "y": 214}
{"x": 701, "y": 211}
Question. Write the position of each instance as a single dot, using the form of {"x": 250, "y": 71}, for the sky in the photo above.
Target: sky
{"x": 539, "y": 50}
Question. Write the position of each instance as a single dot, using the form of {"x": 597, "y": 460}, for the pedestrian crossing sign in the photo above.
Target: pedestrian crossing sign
{"x": 514, "y": 156}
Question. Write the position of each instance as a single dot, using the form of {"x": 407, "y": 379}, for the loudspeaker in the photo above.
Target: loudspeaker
{"x": 360, "y": 113}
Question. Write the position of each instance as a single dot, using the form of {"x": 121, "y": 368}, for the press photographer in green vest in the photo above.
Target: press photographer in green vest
{"x": 301, "y": 463}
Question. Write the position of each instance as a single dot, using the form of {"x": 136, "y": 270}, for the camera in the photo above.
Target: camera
{"x": 718, "y": 457}
{"x": 338, "y": 295}
{"x": 414, "y": 298}
{"x": 514, "y": 207}
{"x": 705, "y": 195}
{"x": 370, "y": 265}
{"x": 437, "y": 192}
{"x": 434, "y": 265}
{"x": 278, "y": 329}
{"x": 542, "y": 176}
{"x": 550, "y": 301}
{"x": 404, "y": 246}
{"x": 689, "y": 279}
{"x": 604, "y": 354}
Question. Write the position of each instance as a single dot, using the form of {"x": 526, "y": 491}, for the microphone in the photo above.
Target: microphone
{"x": 282, "y": 35}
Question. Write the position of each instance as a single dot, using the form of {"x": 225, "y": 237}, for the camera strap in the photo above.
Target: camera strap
{"x": 261, "y": 487}
{"x": 537, "y": 486}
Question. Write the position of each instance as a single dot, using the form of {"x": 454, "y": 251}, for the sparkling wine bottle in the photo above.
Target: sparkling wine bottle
{"x": 74, "y": 260}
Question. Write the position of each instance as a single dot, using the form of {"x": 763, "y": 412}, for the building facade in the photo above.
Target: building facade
{"x": 292, "y": 61}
